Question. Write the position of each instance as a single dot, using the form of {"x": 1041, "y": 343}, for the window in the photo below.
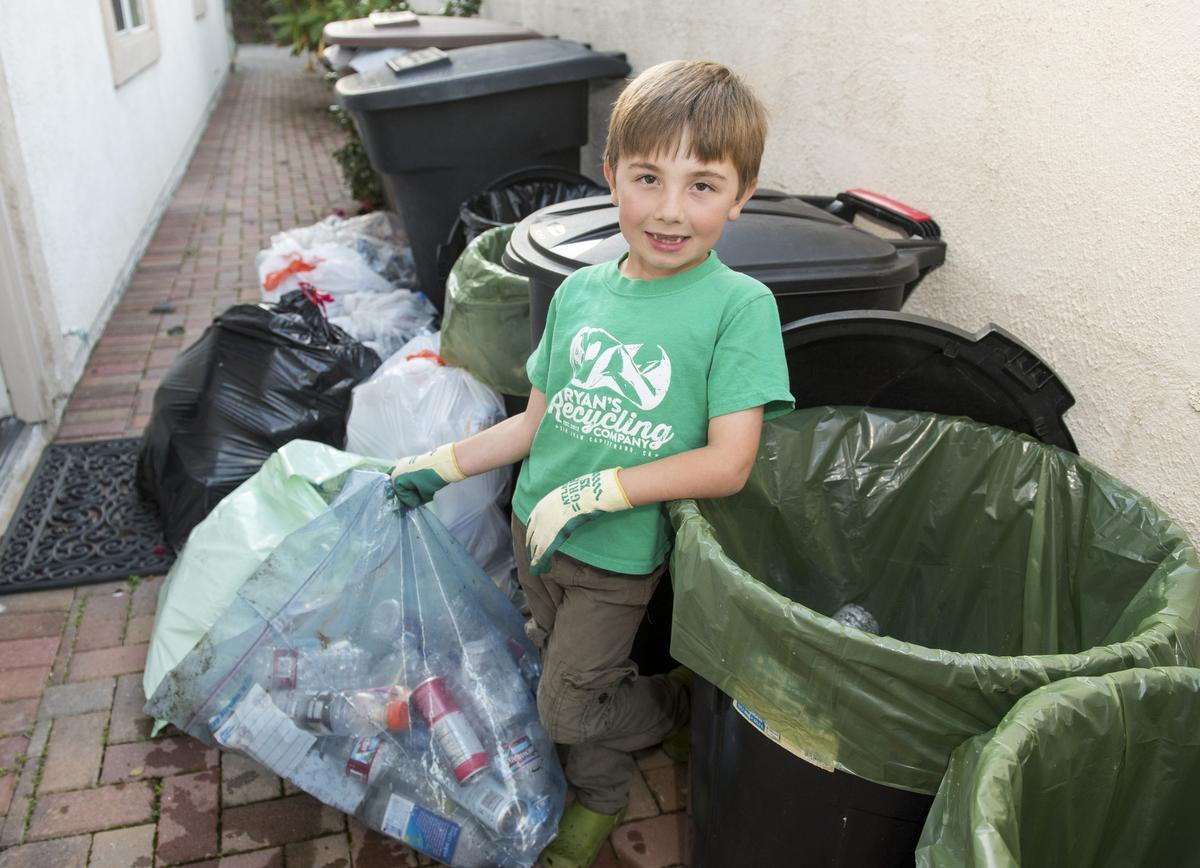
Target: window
{"x": 128, "y": 15}
{"x": 131, "y": 36}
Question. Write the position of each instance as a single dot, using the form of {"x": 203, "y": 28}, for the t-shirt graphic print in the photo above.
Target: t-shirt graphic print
{"x": 613, "y": 389}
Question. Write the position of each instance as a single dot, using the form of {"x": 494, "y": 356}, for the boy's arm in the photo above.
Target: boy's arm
{"x": 717, "y": 469}
{"x": 417, "y": 478}
{"x": 503, "y": 443}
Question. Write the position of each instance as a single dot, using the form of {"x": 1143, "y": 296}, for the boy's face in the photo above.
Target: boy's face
{"x": 672, "y": 209}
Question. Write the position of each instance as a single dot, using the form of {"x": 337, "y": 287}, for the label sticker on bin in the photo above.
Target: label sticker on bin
{"x": 259, "y": 729}
{"x": 760, "y": 723}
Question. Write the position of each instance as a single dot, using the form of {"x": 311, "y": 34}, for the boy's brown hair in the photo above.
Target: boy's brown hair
{"x": 715, "y": 107}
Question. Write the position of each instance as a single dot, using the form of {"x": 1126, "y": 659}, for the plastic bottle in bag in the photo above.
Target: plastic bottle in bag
{"x": 530, "y": 666}
{"x": 403, "y": 800}
{"x": 500, "y": 692}
{"x": 309, "y": 666}
{"x": 485, "y": 797}
{"x": 359, "y": 713}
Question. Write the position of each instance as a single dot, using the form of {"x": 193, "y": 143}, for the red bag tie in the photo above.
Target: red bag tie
{"x": 316, "y": 296}
{"x": 426, "y": 354}
{"x": 296, "y": 266}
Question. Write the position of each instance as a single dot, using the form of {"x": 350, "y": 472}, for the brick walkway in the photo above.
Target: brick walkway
{"x": 81, "y": 783}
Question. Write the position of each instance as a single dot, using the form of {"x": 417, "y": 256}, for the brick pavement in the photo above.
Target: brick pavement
{"x": 81, "y": 783}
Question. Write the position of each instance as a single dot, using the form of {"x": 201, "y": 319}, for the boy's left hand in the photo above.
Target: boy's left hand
{"x": 565, "y": 508}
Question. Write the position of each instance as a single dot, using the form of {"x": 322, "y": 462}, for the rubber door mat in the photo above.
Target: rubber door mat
{"x": 81, "y": 521}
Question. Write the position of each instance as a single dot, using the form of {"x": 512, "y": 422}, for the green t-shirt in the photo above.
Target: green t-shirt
{"x": 632, "y": 371}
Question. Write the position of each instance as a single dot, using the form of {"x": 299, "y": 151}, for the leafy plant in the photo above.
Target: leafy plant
{"x": 357, "y": 173}
{"x": 462, "y": 8}
{"x": 300, "y": 23}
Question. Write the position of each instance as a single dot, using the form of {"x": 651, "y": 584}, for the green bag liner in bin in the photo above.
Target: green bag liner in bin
{"x": 295, "y": 485}
{"x": 994, "y": 564}
{"x": 486, "y": 326}
{"x": 1103, "y": 772}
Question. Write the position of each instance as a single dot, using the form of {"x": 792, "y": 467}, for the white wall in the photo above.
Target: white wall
{"x": 100, "y": 160}
{"x": 5, "y": 404}
{"x": 1056, "y": 144}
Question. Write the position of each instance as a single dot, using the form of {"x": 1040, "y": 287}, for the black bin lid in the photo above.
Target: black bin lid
{"x": 900, "y": 361}
{"x": 782, "y": 240}
{"x": 479, "y": 70}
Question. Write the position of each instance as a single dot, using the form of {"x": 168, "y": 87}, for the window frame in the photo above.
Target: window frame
{"x": 133, "y": 49}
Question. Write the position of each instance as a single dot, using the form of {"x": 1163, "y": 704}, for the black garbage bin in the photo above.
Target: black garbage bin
{"x": 509, "y": 200}
{"x": 437, "y": 134}
{"x": 995, "y": 564}
{"x": 809, "y": 250}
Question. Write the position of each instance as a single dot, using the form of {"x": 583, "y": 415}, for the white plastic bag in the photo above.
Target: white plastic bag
{"x": 415, "y": 403}
{"x": 329, "y": 268}
{"x": 385, "y": 321}
{"x": 377, "y": 238}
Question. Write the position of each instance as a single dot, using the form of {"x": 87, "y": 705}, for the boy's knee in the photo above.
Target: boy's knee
{"x": 577, "y": 706}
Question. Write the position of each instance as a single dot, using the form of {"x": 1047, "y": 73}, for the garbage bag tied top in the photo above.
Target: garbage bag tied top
{"x": 361, "y": 272}
{"x": 259, "y": 377}
{"x": 372, "y": 663}
{"x": 993, "y": 564}
{"x": 1100, "y": 771}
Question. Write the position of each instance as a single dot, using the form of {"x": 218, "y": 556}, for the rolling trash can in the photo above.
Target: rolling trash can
{"x": 812, "y": 251}
{"x": 992, "y": 564}
{"x": 438, "y": 133}
{"x": 1103, "y": 772}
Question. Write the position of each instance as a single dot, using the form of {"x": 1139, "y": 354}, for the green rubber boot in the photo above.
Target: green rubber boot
{"x": 678, "y": 745}
{"x": 581, "y": 834}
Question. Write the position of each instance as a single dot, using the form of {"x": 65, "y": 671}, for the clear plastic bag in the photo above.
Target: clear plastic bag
{"x": 371, "y": 663}
{"x": 330, "y": 268}
{"x": 376, "y": 237}
{"x": 385, "y": 322}
{"x": 415, "y": 403}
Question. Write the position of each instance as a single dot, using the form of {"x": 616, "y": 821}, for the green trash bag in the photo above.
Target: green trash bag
{"x": 295, "y": 485}
{"x": 1101, "y": 772}
{"x": 486, "y": 326}
{"x": 994, "y": 564}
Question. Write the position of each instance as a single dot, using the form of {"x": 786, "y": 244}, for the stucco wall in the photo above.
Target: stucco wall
{"x": 99, "y": 159}
{"x": 1056, "y": 144}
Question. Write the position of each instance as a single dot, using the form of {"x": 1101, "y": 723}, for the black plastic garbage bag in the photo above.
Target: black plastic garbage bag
{"x": 993, "y": 564}
{"x": 510, "y": 199}
{"x": 372, "y": 663}
{"x": 1103, "y": 772}
{"x": 260, "y": 376}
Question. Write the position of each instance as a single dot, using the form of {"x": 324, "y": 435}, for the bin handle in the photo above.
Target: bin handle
{"x": 916, "y": 223}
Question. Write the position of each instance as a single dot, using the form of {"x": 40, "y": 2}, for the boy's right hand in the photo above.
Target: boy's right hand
{"x": 418, "y": 478}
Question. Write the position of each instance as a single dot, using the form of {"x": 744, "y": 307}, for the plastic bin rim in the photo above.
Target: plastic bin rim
{"x": 685, "y": 512}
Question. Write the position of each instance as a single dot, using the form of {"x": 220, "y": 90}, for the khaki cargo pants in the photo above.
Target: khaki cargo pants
{"x": 590, "y": 698}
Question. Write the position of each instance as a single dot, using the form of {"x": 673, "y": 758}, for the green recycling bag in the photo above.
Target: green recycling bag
{"x": 1103, "y": 772}
{"x": 994, "y": 564}
{"x": 486, "y": 327}
{"x": 294, "y": 486}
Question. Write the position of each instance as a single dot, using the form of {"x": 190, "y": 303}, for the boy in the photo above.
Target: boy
{"x": 650, "y": 384}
